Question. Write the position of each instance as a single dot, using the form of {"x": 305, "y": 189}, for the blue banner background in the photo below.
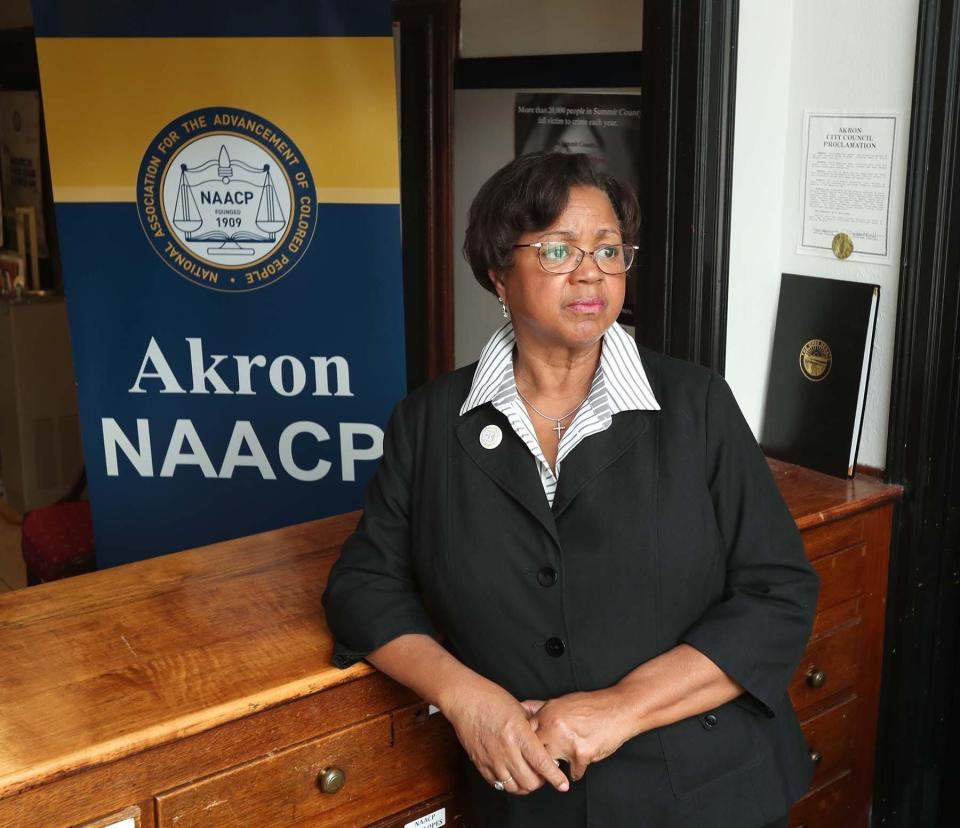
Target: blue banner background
{"x": 344, "y": 298}
{"x": 202, "y": 18}
{"x": 314, "y": 86}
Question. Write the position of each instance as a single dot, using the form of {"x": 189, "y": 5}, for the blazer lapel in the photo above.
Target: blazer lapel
{"x": 596, "y": 452}
{"x": 510, "y": 464}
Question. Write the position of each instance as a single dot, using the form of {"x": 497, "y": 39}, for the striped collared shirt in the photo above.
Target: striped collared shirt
{"x": 620, "y": 384}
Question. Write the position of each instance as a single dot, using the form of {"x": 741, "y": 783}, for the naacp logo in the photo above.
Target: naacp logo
{"x": 226, "y": 199}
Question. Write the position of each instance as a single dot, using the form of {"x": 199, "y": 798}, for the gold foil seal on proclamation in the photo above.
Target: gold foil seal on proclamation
{"x": 842, "y": 246}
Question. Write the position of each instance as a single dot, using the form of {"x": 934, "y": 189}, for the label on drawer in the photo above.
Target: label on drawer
{"x": 433, "y": 820}
{"x": 127, "y": 818}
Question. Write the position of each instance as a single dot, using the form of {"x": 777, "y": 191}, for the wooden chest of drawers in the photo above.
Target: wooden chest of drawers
{"x": 846, "y": 532}
{"x": 196, "y": 689}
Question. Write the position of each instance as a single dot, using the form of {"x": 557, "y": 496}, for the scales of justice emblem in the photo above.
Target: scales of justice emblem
{"x": 228, "y": 200}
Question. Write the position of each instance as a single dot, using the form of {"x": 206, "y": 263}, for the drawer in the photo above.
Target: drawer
{"x": 841, "y": 576}
{"x": 833, "y": 537}
{"x": 830, "y": 665}
{"x": 830, "y": 737}
{"x": 831, "y": 806}
{"x": 839, "y": 615}
{"x": 389, "y": 764}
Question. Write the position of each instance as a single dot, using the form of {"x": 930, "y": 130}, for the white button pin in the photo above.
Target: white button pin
{"x": 491, "y": 436}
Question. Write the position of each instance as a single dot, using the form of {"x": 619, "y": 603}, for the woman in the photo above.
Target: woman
{"x": 595, "y": 532}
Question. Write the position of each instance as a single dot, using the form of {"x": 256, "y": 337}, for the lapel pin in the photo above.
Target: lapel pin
{"x": 491, "y": 436}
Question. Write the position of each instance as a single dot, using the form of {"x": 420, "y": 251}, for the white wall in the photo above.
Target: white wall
{"x": 494, "y": 28}
{"x": 764, "y": 43}
{"x": 853, "y": 56}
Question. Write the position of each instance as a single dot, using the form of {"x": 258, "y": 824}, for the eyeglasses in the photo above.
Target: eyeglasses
{"x": 563, "y": 257}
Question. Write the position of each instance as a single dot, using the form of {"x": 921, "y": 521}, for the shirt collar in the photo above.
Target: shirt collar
{"x": 621, "y": 372}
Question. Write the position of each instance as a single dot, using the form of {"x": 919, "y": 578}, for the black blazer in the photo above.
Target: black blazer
{"x": 666, "y": 528}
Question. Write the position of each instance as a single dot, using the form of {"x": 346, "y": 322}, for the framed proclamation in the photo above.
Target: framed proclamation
{"x": 847, "y": 175}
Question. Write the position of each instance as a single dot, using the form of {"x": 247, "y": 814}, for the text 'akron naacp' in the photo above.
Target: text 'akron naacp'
{"x": 243, "y": 376}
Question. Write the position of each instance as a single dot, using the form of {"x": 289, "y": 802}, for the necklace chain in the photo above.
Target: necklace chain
{"x": 556, "y": 420}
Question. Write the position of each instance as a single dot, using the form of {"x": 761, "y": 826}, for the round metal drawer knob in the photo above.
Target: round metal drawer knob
{"x": 331, "y": 780}
{"x": 816, "y": 678}
{"x": 816, "y": 757}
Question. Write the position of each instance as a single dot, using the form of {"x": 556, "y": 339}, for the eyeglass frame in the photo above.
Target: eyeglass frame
{"x": 583, "y": 255}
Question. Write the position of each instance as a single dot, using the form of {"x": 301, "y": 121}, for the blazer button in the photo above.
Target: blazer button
{"x": 710, "y": 721}
{"x": 555, "y": 647}
{"x": 546, "y": 576}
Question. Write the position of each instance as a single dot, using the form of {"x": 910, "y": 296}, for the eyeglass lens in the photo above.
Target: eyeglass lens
{"x": 561, "y": 257}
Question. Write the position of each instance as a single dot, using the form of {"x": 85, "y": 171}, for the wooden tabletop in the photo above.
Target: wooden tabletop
{"x": 816, "y": 498}
{"x": 103, "y": 665}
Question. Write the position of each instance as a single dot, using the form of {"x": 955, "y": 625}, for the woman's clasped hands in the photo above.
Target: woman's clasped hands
{"x": 518, "y": 744}
{"x": 497, "y": 734}
{"x": 580, "y": 728}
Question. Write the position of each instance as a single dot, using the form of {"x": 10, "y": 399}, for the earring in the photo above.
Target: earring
{"x": 503, "y": 308}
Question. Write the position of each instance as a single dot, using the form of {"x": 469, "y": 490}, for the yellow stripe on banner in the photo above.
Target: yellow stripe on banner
{"x": 105, "y": 99}
{"x": 92, "y": 194}
{"x": 358, "y": 195}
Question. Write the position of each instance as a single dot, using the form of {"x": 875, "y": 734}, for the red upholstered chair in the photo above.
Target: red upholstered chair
{"x": 57, "y": 540}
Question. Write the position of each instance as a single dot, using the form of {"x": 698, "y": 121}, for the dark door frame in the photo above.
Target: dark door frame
{"x": 689, "y": 83}
{"x": 428, "y": 34}
{"x": 918, "y": 769}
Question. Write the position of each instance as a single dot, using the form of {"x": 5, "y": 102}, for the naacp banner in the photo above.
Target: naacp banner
{"x": 227, "y": 208}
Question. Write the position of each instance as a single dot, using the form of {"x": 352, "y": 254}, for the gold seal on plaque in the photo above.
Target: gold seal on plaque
{"x": 842, "y": 246}
{"x": 815, "y": 360}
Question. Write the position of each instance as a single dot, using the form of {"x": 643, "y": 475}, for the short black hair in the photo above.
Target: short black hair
{"x": 530, "y": 193}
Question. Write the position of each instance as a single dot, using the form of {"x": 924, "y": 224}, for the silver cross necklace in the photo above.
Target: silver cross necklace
{"x": 555, "y": 420}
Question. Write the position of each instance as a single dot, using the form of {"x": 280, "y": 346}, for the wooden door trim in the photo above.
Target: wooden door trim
{"x": 428, "y": 47}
